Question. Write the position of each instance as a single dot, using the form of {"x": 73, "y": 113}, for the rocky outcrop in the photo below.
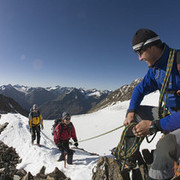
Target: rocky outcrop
{"x": 3, "y": 126}
{"x": 109, "y": 169}
{"x": 9, "y": 160}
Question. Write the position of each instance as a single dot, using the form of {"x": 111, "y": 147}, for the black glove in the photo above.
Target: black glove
{"x": 76, "y": 144}
{"x": 42, "y": 127}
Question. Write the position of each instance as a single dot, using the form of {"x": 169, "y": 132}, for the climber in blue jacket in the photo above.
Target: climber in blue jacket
{"x": 166, "y": 117}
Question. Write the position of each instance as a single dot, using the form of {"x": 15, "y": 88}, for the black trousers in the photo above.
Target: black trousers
{"x": 35, "y": 131}
{"x": 64, "y": 147}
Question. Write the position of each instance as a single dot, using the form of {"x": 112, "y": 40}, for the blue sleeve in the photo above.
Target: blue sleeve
{"x": 171, "y": 122}
{"x": 146, "y": 86}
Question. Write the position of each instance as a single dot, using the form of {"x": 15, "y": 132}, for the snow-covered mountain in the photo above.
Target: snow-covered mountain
{"x": 52, "y": 101}
{"x": 17, "y": 135}
{"x": 9, "y": 105}
{"x": 121, "y": 94}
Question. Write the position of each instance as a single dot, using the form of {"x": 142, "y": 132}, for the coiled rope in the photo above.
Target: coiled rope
{"x": 122, "y": 153}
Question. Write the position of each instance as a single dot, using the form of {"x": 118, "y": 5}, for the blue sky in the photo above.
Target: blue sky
{"x": 79, "y": 43}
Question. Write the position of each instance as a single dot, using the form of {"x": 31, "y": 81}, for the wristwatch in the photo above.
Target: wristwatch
{"x": 153, "y": 128}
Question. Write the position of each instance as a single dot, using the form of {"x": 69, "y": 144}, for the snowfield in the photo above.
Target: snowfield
{"x": 17, "y": 135}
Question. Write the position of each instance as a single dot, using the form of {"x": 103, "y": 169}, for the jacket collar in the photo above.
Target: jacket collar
{"x": 162, "y": 61}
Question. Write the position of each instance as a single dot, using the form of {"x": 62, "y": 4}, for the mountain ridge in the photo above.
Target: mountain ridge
{"x": 52, "y": 101}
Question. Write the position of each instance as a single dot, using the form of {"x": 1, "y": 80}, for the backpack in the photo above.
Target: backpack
{"x": 32, "y": 113}
{"x": 56, "y": 121}
{"x": 178, "y": 60}
{"x": 58, "y": 132}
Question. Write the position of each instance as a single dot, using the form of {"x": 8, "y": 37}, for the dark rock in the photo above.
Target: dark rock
{"x": 9, "y": 160}
{"x": 3, "y": 126}
{"x": 28, "y": 176}
{"x": 109, "y": 169}
{"x": 57, "y": 175}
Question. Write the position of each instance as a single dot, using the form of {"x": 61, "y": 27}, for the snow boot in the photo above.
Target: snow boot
{"x": 61, "y": 158}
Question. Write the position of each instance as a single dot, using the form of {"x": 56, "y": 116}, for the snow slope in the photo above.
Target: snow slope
{"x": 33, "y": 157}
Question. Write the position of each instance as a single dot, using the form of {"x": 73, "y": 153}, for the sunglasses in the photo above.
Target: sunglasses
{"x": 140, "y": 50}
{"x": 68, "y": 118}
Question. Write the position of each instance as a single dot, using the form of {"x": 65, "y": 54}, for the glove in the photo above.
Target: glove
{"x": 76, "y": 144}
{"x": 42, "y": 127}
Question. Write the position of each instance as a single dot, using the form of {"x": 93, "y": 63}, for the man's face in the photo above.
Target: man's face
{"x": 148, "y": 56}
{"x": 36, "y": 110}
{"x": 67, "y": 120}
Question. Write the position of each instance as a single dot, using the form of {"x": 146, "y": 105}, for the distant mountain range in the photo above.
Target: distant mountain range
{"x": 52, "y": 101}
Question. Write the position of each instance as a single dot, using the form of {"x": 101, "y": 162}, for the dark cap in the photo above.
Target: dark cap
{"x": 144, "y": 38}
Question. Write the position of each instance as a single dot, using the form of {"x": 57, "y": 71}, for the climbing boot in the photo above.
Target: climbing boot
{"x": 61, "y": 158}
{"x": 69, "y": 158}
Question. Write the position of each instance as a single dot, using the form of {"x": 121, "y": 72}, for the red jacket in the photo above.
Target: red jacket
{"x": 64, "y": 132}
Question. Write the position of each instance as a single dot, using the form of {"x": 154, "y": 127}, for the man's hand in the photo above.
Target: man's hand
{"x": 142, "y": 128}
{"x": 129, "y": 118}
{"x": 42, "y": 127}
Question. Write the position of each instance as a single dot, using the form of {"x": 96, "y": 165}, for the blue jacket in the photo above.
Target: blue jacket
{"x": 153, "y": 81}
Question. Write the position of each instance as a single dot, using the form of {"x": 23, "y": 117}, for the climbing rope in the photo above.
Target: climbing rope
{"x": 162, "y": 109}
{"x": 122, "y": 153}
{"x": 102, "y": 134}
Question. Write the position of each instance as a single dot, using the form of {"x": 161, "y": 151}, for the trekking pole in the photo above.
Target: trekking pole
{"x": 64, "y": 159}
